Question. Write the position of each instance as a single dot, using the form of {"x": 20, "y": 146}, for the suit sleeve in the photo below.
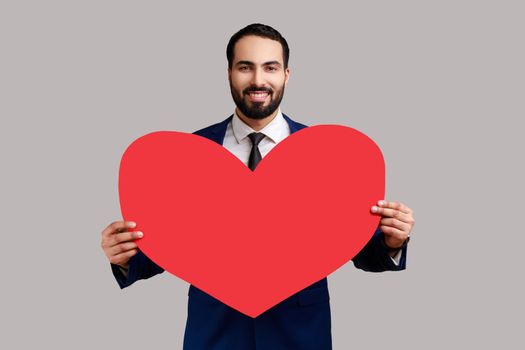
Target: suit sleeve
{"x": 140, "y": 267}
{"x": 374, "y": 256}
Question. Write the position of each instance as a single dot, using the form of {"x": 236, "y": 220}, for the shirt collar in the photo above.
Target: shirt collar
{"x": 276, "y": 130}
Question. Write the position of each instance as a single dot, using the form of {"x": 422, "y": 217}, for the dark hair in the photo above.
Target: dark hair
{"x": 263, "y": 31}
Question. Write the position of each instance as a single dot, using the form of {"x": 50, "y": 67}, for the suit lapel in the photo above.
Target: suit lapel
{"x": 294, "y": 126}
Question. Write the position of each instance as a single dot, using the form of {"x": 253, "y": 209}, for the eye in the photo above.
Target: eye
{"x": 243, "y": 68}
{"x": 271, "y": 68}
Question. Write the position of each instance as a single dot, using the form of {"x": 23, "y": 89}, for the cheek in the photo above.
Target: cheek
{"x": 277, "y": 82}
{"x": 239, "y": 81}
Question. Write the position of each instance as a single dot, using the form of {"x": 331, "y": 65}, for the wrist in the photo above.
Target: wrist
{"x": 394, "y": 249}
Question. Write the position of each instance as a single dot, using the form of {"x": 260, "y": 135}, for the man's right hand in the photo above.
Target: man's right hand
{"x": 118, "y": 242}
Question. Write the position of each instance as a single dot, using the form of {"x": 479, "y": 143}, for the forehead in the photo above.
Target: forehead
{"x": 257, "y": 50}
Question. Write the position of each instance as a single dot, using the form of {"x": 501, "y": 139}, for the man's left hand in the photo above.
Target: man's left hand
{"x": 396, "y": 222}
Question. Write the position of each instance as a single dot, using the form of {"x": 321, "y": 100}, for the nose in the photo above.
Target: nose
{"x": 257, "y": 77}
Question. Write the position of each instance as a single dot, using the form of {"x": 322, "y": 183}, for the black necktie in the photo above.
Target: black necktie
{"x": 255, "y": 155}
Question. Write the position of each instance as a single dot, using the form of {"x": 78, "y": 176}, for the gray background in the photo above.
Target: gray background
{"x": 438, "y": 85}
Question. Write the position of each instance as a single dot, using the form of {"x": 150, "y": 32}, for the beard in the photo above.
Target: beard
{"x": 257, "y": 110}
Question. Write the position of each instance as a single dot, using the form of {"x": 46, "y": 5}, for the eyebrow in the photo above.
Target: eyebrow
{"x": 249, "y": 63}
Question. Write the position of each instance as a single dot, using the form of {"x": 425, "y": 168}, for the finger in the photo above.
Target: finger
{"x": 117, "y": 226}
{"x": 395, "y": 223}
{"x": 123, "y": 257}
{"x": 115, "y": 239}
{"x": 393, "y": 232}
{"x": 121, "y": 248}
{"x": 391, "y": 213}
{"x": 394, "y": 205}
{"x": 124, "y": 237}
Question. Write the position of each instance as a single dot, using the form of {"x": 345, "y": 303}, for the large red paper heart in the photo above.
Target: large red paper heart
{"x": 252, "y": 239}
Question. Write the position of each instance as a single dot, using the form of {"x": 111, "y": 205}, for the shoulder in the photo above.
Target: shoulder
{"x": 294, "y": 126}
{"x": 214, "y": 128}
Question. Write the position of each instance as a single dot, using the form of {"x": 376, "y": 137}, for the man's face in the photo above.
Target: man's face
{"x": 257, "y": 76}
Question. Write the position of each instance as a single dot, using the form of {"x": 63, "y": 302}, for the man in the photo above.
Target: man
{"x": 258, "y": 73}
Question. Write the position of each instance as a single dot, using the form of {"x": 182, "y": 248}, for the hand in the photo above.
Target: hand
{"x": 118, "y": 243}
{"x": 396, "y": 222}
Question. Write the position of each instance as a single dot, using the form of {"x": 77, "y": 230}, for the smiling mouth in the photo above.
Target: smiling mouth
{"x": 258, "y": 96}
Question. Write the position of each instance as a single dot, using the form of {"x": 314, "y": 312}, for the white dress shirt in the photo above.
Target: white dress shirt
{"x": 237, "y": 141}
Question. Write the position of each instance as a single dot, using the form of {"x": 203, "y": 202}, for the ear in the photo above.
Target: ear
{"x": 286, "y": 76}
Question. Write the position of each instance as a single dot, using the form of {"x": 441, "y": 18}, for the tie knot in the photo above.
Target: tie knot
{"x": 256, "y": 137}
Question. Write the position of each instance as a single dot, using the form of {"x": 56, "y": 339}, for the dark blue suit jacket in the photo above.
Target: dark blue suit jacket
{"x": 301, "y": 322}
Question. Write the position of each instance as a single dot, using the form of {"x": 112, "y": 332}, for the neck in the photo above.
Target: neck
{"x": 256, "y": 124}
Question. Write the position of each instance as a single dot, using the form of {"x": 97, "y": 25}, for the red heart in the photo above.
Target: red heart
{"x": 252, "y": 239}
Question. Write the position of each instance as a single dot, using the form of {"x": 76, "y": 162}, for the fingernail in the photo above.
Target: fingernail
{"x": 139, "y": 234}
{"x": 374, "y": 209}
{"x": 132, "y": 224}
{"x": 381, "y": 203}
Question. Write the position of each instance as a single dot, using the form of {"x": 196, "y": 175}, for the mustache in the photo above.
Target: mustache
{"x": 256, "y": 89}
